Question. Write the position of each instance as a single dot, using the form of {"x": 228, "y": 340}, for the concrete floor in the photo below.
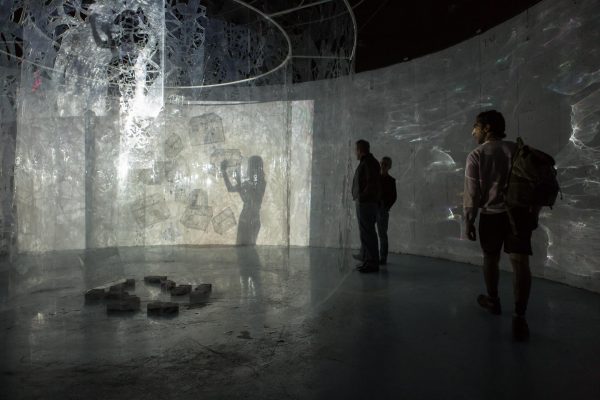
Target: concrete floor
{"x": 288, "y": 323}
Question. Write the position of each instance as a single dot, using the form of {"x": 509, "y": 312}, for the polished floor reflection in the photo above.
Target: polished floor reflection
{"x": 287, "y": 323}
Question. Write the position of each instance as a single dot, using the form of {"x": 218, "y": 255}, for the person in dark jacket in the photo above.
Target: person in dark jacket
{"x": 366, "y": 192}
{"x": 388, "y": 198}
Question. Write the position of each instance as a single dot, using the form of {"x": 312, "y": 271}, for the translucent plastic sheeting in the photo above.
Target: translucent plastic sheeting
{"x": 541, "y": 69}
{"x": 139, "y": 125}
{"x": 159, "y": 122}
{"x": 211, "y": 174}
{"x": 96, "y": 167}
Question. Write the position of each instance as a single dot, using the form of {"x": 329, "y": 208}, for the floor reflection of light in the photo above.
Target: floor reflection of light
{"x": 123, "y": 167}
{"x": 248, "y": 288}
{"x": 39, "y": 317}
{"x": 251, "y": 287}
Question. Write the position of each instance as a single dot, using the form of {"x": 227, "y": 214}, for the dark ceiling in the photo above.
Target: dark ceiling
{"x": 392, "y": 31}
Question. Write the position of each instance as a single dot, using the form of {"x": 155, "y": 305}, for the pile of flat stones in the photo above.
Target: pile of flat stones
{"x": 118, "y": 299}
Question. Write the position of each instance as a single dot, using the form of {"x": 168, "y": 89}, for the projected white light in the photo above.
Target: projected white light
{"x": 116, "y": 145}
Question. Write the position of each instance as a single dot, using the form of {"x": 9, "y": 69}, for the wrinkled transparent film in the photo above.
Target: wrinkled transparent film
{"x": 541, "y": 70}
{"x": 144, "y": 123}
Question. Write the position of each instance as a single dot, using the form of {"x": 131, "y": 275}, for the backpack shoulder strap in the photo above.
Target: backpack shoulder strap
{"x": 520, "y": 145}
{"x": 520, "y": 142}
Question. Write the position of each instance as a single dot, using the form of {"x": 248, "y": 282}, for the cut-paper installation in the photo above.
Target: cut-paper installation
{"x": 206, "y": 129}
{"x": 150, "y": 210}
{"x": 224, "y": 221}
{"x": 197, "y": 217}
{"x": 230, "y": 158}
{"x": 173, "y": 146}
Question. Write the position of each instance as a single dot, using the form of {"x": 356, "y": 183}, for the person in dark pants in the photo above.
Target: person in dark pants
{"x": 486, "y": 174}
{"x": 388, "y": 198}
{"x": 366, "y": 192}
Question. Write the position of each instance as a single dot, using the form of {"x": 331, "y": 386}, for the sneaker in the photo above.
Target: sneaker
{"x": 357, "y": 257}
{"x": 490, "y": 304}
{"x": 367, "y": 270}
{"x": 520, "y": 329}
{"x": 368, "y": 267}
{"x": 360, "y": 266}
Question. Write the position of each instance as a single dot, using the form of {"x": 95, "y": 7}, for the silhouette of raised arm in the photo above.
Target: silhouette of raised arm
{"x": 238, "y": 183}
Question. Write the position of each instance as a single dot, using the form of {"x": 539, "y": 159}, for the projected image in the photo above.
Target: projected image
{"x": 573, "y": 224}
{"x": 229, "y": 191}
{"x": 103, "y": 157}
{"x": 110, "y": 96}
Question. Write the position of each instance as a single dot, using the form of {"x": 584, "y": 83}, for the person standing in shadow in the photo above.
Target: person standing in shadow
{"x": 251, "y": 192}
{"x": 366, "y": 192}
{"x": 388, "y": 198}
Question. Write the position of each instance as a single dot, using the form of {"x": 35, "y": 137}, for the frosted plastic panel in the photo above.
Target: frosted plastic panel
{"x": 210, "y": 174}
{"x": 122, "y": 142}
{"x": 149, "y": 122}
{"x": 541, "y": 70}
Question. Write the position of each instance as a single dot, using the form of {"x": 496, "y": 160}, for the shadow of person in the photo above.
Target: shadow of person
{"x": 251, "y": 192}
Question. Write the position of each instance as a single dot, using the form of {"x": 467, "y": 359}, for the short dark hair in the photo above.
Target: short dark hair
{"x": 363, "y": 145}
{"x": 387, "y": 160}
{"x": 495, "y": 120}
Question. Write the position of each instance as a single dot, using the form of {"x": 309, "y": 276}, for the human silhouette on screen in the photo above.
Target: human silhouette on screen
{"x": 251, "y": 192}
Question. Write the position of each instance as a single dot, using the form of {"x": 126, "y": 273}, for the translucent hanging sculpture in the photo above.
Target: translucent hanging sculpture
{"x": 126, "y": 119}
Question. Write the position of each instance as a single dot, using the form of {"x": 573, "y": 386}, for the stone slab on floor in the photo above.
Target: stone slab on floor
{"x": 181, "y": 290}
{"x": 155, "y": 279}
{"x": 159, "y": 308}
{"x": 95, "y": 295}
{"x": 201, "y": 293}
{"x": 126, "y": 303}
{"x": 167, "y": 285}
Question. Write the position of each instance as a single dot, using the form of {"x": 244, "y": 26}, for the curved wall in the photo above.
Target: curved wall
{"x": 541, "y": 69}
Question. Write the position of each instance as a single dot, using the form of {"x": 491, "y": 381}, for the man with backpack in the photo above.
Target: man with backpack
{"x": 486, "y": 177}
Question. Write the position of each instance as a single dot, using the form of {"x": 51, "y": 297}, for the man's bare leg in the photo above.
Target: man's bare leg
{"x": 521, "y": 282}
{"x": 491, "y": 273}
{"x": 521, "y": 288}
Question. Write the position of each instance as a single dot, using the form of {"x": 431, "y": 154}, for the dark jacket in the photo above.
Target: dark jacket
{"x": 388, "y": 191}
{"x": 366, "y": 185}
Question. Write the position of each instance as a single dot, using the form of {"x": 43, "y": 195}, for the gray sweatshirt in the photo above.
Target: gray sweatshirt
{"x": 486, "y": 173}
